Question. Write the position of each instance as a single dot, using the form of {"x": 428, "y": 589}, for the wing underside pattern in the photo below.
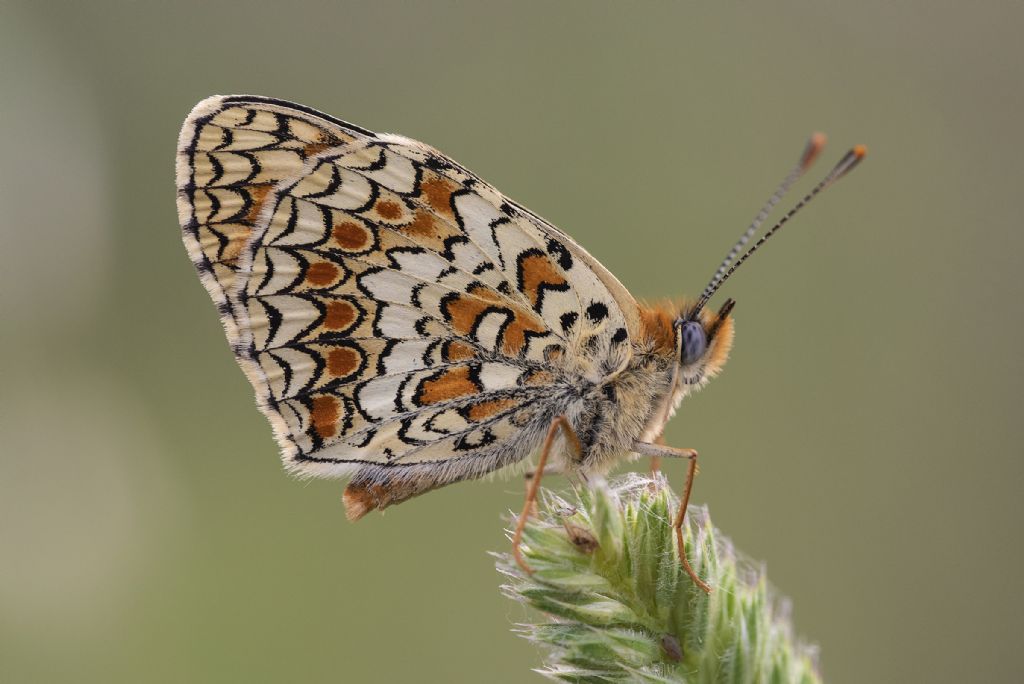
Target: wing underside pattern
{"x": 398, "y": 317}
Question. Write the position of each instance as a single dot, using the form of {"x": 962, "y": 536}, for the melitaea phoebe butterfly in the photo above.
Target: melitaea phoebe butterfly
{"x": 407, "y": 326}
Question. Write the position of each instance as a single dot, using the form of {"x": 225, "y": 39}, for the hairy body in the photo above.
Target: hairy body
{"x": 609, "y": 417}
{"x": 634, "y": 404}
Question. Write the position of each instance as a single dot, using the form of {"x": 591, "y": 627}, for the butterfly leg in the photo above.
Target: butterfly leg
{"x": 662, "y": 451}
{"x": 531, "y": 475}
{"x": 559, "y": 424}
{"x": 656, "y": 460}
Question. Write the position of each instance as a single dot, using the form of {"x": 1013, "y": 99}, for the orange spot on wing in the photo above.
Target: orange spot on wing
{"x": 422, "y": 225}
{"x": 313, "y": 149}
{"x": 351, "y": 236}
{"x": 459, "y": 351}
{"x": 323, "y": 141}
{"x": 486, "y": 409}
{"x": 237, "y": 236}
{"x": 537, "y": 270}
{"x": 257, "y": 195}
{"x": 514, "y": 337}
{"x": 342, "y": 361}
{"x": 464, "y": 311}
{"x": 438, "y": 193}
{"x": 321, "y": 273}
{"x": 340, "y": 315}
{"x": 324, "y": 416}
{"x": 388, "y": 209}
{"x": 484, "y": 292}
{"x": 540, "y": 377}
{"x": 449, "y": 385}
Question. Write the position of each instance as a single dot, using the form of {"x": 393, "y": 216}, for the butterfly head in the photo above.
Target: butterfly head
{"x": 703, "y": 341}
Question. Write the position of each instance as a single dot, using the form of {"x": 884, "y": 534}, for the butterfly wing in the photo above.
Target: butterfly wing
{"x": 400, "y": 319}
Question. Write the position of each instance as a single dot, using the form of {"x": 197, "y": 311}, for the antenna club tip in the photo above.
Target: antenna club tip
{"x": 815, "y": 144}
{"x": 860, "y": 151}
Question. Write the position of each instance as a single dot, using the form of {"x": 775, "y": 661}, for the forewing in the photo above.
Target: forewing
{"x": 571, "y": 291}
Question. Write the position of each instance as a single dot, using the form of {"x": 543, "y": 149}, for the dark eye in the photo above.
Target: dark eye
{"x": 694, "y": 342}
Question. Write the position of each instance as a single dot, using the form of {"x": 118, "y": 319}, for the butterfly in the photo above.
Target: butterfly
{"x": 406, "y": 326}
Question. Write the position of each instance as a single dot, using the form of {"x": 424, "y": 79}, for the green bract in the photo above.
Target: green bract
{"x": 621, "y": 608}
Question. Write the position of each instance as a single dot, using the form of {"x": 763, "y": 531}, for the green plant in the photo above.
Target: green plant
{"x": 619, "y": 607}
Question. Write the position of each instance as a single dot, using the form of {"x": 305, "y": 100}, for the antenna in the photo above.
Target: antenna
{"x": 843, "y": 167}
{"x": 814, "y": 146}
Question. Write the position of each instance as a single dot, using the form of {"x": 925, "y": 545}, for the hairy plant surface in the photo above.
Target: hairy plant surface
{"x": 619, "y": 607}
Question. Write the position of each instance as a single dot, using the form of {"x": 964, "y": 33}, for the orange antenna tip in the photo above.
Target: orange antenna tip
{"x": 815, "y": 145}
{"x": 848, "y": 162}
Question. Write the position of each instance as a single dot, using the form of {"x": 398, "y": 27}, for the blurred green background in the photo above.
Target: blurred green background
{"x": 864, "y": 442}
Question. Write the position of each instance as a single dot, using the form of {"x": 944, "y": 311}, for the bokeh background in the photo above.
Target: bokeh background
{"x": 864, "y": 441}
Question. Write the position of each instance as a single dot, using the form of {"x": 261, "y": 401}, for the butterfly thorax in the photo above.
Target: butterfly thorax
{"x": 617, "y": 413}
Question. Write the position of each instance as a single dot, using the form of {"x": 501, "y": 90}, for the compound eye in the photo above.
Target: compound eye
{"x": 695, "y": 342}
